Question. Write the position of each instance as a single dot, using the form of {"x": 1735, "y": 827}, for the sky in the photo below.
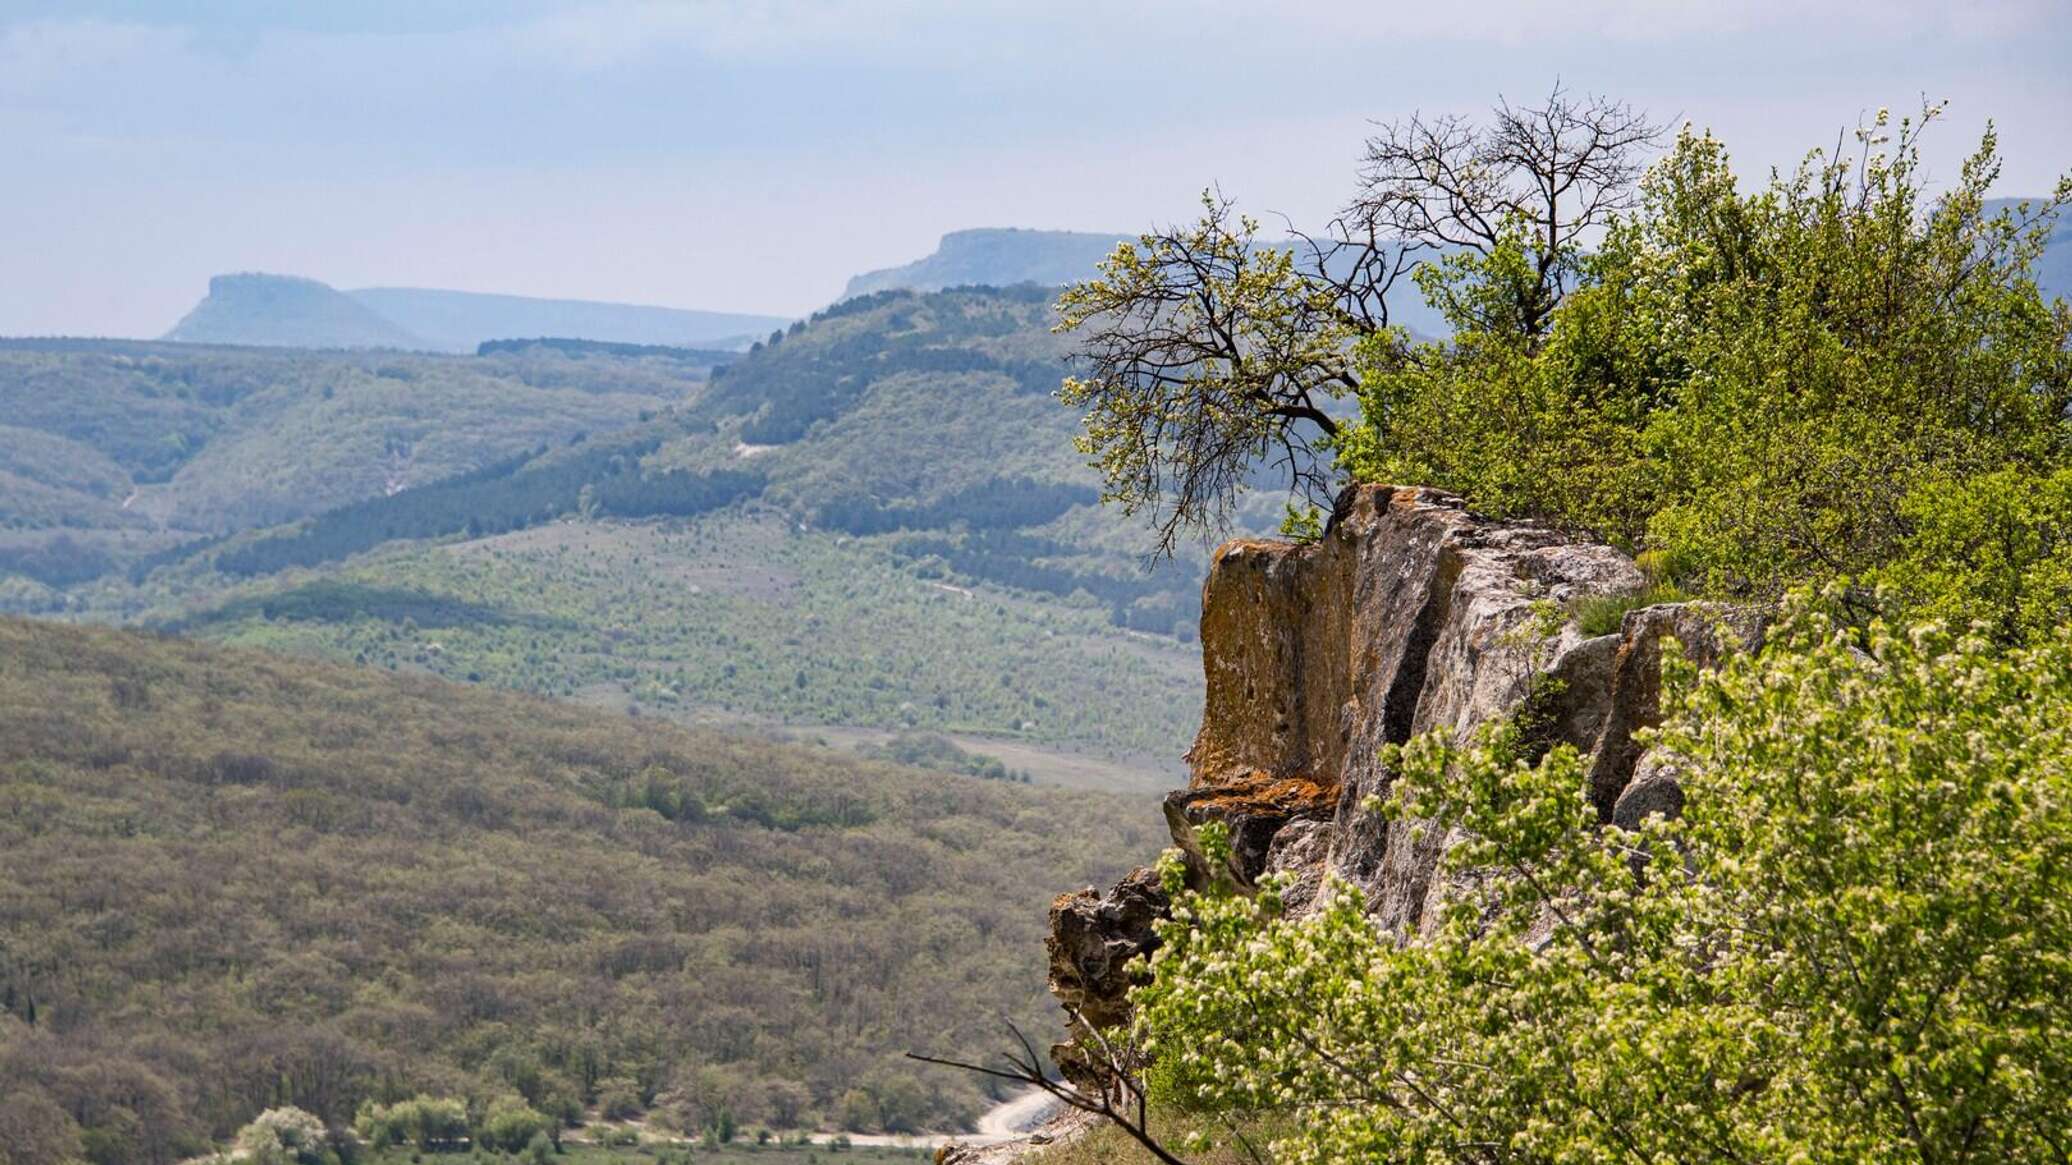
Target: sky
{"x": 752, "y": 156}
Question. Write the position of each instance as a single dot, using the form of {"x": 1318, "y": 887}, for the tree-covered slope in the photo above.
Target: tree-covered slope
{"x": 118, "y": 447}
{"x": 230, "y": 880}
{"x": 922, "y": 550}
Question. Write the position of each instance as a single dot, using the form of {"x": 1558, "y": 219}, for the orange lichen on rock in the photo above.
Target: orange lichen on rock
{"x": 1261, "y": 791}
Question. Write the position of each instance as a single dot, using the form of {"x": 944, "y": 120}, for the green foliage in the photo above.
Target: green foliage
{"x": 1995, "y": 548}
{"x": 1774, "y": 388}
{"x": 512, "y": 1125}
{"x": 1302, "y": 523}
{"x": 1602, "y": 614}
{"x": 928, "y": 750}
{"x": 1861, "y": 949}
{"x": 428, "y": 1123}
{"x": 238, "y": 881}
{"x": 722, "y": 614}
{"x": 217, "y": 439}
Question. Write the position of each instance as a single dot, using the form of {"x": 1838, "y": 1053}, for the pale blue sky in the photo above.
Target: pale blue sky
{"x": 751, "y": 156}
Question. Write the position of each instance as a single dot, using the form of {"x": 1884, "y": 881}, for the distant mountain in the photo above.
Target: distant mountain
{"x": 284, "y": 311}
{"x": 1004, "y": 257}
{"x": 995, "y": 257}
{"x": 458, "y": 321}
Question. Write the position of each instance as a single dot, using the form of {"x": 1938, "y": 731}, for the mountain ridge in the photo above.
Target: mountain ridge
{"x": 287, "y": 311}
{"x": 262, "y": 309}
{"x": 994, "y": 256}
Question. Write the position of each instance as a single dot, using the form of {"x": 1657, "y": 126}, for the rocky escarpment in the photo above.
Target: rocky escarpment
{"x": 1410, "y": 615}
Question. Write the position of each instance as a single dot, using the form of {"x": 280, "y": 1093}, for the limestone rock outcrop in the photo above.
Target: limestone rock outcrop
{"x": 1411, "y": 614}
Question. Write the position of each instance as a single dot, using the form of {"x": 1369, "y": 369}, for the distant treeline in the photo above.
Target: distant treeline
{"x": 329, "y": 600}
{"x": 60, "y": 562}
{"x": 505, "y": 495}
{"x": 978, "y": 532}
{"x": 1003, "y": 503}
{"x": 579, "y": 348}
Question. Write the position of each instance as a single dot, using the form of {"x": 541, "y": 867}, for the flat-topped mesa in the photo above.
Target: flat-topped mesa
{"x": 1410, "y": 614}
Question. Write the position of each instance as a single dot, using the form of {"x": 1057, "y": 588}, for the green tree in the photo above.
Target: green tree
{"x": 511, "y": 1124}
{"x": 857, "y": 1111}
{"x": 36, "y": 1130}
{"x": 1768, "y": 389}
{"x": 427, "y": 1122}
{"x": 1855, "y": 946}
{"x": 1210, "y": 351}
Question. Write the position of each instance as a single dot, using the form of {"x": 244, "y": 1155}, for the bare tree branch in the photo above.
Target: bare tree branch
{"x": 1122, "y": 1104}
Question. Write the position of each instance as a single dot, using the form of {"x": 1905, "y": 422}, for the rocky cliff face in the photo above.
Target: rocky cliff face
{"x": 1410, "y": 615}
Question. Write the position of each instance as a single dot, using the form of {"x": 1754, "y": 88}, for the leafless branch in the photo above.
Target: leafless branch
{"x": 1121, "y": 1103}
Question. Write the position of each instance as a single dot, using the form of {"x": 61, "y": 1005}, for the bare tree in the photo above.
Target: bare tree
{"x": 1547, "y": 175}
{"x": 1210, "y": 356}
{"x": 1209, "y": 353}
{"x": 1120, "y": 1101}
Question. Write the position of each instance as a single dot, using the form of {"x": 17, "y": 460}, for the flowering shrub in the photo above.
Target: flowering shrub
{"x": 1855, "y": 946}
{"x": 283, "y": 1136}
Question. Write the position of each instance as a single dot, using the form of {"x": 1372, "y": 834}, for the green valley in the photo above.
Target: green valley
{"x": 870, "y": 523}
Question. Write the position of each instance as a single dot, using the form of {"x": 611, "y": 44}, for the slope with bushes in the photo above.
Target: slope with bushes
{"x": 940, "y": 530}
{"x": 231, "y": 881}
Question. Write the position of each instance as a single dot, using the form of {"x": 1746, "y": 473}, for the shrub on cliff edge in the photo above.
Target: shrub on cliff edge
{"x": 1857, "y": 945}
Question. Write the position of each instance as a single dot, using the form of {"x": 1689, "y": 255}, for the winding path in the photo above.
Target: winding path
{"x": 1006, "y": 1121}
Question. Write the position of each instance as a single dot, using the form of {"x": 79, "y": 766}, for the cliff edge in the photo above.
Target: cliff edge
{"x": 1411, "y": 614}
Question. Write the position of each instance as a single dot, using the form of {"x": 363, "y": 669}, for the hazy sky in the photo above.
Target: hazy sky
{"x": 751, "y": 156}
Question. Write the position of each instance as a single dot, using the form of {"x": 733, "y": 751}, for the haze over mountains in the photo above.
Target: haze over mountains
{"x": 996, "y": 256}
{"x": 287, "y": 311}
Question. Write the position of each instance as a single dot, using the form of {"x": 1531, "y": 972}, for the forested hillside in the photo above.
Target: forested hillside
{"x": 230, "y": 880}
{"x": 113, "y": 449}
{"x": 874, "y": 520}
